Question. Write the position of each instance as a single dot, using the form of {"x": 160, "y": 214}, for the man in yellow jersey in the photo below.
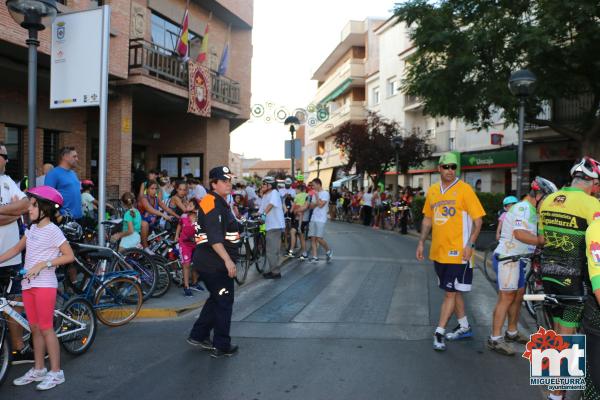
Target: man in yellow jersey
{"x": 591, "y": 311}
{"x": 454, "y": 214}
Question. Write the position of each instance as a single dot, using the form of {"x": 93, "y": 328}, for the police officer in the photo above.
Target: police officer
{"x": 217, "y": 241}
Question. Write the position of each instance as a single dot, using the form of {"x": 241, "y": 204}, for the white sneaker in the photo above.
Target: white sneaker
{"x": 329, "y": 255}
{"x": 51, "y": 380}
{"x": 33, "y": 375}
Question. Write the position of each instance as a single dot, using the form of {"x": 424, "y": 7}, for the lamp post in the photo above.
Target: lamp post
{"x": 397, "y": 143}
{"x": 293, "y": 122}
{"x": 35, "y": 16}
{"x": 318, "y": 159}
{"x": 521, "y": 84}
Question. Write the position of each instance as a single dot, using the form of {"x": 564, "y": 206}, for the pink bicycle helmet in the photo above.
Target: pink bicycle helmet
{"x": 47, "y": 193}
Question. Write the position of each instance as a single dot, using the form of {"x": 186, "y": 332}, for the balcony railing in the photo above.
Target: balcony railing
{"x": 412, "y": 101}
{"x": 160, "y": 63}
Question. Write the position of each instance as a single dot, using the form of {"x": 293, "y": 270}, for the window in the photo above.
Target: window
{"x": 165, "y": 33}
{"x": 177, "y": 165}
{"x": 50, "y": 149}
{"x": 375, "y": 96}
{"x": 392, "y": 86}
{"x": 13, "y": 141}
{"x": 320, "y": 148}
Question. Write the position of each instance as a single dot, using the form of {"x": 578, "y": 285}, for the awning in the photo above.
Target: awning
{"x": 336, "y": 92}
{"x": 312, "y": 175}
{"x": 345, "y": 179}
{"x": 324, "y": 176}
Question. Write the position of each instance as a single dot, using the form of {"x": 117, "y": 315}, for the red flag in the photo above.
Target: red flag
{"x": 203, "y": 55}
{"x": 183, "y": 43}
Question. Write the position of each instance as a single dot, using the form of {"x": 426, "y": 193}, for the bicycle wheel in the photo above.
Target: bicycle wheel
{"x": 4, "y": 352}
{"x": 243, "y": 263}
{"x": 543, "y": 317}
{"x": 488, "y": 264}
{"x": 80, "y": 310}
{"x": 261, "y": 253}
{"x": 163, "y": 283}
{"x": 118, "y": 301}
{"x": 142, "y": 262}
{"x": 530, "y": 285}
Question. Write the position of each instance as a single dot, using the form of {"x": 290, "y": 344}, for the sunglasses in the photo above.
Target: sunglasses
{"x": 449, "y": 166}
{"x": 5, "y": 156}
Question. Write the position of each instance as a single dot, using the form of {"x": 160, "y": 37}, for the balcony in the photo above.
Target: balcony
{"x": 442, "y": 141}
{"x": 350, "y": 73}
{"x": 353, "y": 111}
{"x": 146, "y": 58}
{"x": 412, "y": 103}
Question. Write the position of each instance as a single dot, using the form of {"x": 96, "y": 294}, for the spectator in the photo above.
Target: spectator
{"x": 65, "y": 180}
{"x": 39, "y": 181}
{"x": 152, "y": 176}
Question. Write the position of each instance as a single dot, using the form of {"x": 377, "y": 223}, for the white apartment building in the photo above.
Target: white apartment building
{"x": 341, "y": 90}
{"x": 486, "y": 166}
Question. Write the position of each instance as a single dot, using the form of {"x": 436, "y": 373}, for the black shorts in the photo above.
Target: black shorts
{"x": 454, "y": 277}
{"x": 567, "y": 315}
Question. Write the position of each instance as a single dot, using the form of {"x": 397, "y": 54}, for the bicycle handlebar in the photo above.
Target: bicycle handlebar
{"x": 554, "y": 298}
{"x": 517, "y": 257}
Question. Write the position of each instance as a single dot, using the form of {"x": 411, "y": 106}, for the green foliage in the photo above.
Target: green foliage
{"x": 368, "y": 146}
{"x": 467, "y": 49}
{"x": 491, "y": 203}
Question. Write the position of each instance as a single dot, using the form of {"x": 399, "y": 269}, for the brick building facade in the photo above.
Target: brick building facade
{"x": 148, "y": 123}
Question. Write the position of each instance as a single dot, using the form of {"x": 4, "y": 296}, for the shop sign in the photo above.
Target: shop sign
{"x": 503, "y": 158}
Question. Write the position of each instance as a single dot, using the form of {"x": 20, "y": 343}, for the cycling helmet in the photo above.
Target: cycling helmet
{"x": 508, "y": 200}
{"x": 73, "y": 231}
{"x": 543, "y": 185}
{"x": 46, "y": 193}
{"x": 269, "y": 180}
{"x": 587, "y": 168}
{"x": 288, "y": 181}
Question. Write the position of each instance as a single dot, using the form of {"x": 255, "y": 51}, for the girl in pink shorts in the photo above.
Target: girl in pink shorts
{"x": 46, "y": 248}
{"x": 185, "y": 233}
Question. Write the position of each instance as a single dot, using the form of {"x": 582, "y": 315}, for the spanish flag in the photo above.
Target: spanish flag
{"x": 183, "y": 43}
{"x": 203, "y": 55}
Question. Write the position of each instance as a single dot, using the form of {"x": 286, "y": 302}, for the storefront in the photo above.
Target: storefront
{"x": 552, "y": 160}
{"x": 489, "y": 171}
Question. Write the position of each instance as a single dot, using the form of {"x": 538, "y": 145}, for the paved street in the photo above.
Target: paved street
{"x": 358, "y": 328}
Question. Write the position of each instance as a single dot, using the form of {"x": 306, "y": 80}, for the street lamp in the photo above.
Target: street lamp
{"x": 397, "y": 143}
{"x": 521, "y": 84}
{"x": 35, "y": 16}
{"x": 318, "y": 159}
{"x": 293, "y": 122}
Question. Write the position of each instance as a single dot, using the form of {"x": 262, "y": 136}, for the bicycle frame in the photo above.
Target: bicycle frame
{"x": 6, "y": 306}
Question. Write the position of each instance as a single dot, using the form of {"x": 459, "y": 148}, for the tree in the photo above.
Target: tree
{"x": 466, "y": 50}
{"x": 368, "y": 147}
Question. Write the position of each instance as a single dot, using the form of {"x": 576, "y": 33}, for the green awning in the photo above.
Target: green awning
{"x": 337, "y": 91}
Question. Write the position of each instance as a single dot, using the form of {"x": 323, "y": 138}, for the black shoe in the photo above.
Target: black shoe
{"x": 204, "y": 344}
{"x": 24, "y": 356}
{"x": 270, "y": 275}
{"x": 218, "y": 353}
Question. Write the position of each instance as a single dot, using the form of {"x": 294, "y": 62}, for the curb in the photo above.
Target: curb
{"x": 174, "y": 312}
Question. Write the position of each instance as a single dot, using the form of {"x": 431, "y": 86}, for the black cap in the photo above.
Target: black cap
{"x": 221, "y": 173}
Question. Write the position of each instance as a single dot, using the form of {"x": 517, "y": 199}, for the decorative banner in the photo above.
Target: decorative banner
{"x": 199, "y": 90}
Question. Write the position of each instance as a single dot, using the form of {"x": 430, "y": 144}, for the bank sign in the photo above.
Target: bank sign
{"x": 493, "y": 159}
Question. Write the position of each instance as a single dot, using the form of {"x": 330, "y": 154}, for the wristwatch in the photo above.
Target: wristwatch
{"x": 472, "y": 245}
{"x": 49, "y": 264}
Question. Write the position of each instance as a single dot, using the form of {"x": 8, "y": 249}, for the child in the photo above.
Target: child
{"x": 507, "y": 204}
{"x": 184, "y": 235}
{"x": 132, "y": 224}
{"x": 46, "y": 248}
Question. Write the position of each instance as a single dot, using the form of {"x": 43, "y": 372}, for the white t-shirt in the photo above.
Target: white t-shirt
{"x": 197, "y": 193}
{"x": 520, "y": 216}
{"x": 367, "y": 199}
{"x": 42, "y": 246}
{"x": 320, "y": 213}
{"x": 275, "y": 218}
{"x": 9, "y": 234}
{"x": 87, "y": 203}
{"x": 251, "y": 193}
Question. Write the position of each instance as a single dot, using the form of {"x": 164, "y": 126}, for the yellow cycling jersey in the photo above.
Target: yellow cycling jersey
{"x": 564, "y": 217}
{"x": 592, "y": 245}
{"x": 452, "y": 212}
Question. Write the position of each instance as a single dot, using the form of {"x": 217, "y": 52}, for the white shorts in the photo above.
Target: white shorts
{"x": 511, "y": 274}
{"x": 316, "y": 229}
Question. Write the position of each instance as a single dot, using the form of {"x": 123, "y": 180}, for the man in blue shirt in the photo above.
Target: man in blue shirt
{"x": 65, "y": 180}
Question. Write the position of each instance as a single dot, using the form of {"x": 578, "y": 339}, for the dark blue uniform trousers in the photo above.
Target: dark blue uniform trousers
{"x": 216, "y": 313}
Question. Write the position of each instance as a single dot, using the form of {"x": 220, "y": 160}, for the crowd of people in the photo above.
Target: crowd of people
{"x": 563, "y": 225}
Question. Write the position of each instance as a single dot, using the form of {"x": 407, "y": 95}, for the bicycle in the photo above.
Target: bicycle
{"x": 74, "y": 324}
{"x": 543, "y": 316}
{"x": 251, "y": 251}
{"x": 488, "y": 263}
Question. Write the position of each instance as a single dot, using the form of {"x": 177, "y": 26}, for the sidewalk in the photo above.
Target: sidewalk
{"x": 174, "y": 304}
